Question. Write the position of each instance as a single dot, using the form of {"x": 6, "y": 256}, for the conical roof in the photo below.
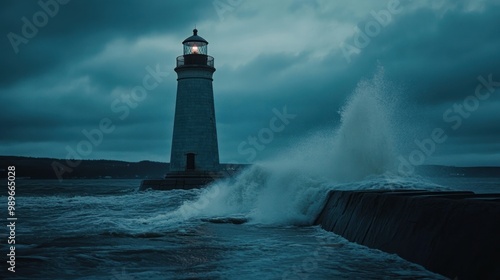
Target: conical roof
{"x": 195, "y": 38}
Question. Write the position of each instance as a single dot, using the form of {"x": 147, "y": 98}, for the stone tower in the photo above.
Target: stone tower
{"x": 194, "y": 140}
{"x": 194, "y": 158}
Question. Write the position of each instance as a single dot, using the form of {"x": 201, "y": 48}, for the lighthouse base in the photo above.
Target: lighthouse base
{"x": 182, "y": 180}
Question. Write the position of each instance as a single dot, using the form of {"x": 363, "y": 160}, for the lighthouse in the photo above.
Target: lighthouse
{"x": 194, "y": 157}
{"x": 194, "y": 140}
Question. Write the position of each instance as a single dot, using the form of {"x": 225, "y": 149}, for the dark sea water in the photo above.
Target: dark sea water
{"x": 106, "y": 229}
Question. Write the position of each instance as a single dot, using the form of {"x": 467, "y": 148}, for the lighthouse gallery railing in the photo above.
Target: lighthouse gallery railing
{"x": 195, "y": 59}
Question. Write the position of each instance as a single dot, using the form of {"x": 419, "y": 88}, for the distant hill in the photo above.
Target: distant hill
{"x": 45, "y": 168}
{"x": 453, "y": 171}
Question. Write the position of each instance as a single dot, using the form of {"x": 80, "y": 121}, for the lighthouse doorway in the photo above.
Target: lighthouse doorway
{"x": 190, "y": 164}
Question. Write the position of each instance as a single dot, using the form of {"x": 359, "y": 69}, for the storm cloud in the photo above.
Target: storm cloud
{"x": 307, "y": 56}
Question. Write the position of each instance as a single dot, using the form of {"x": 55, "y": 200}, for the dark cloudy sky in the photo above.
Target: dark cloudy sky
{"x": 305, "y": 55}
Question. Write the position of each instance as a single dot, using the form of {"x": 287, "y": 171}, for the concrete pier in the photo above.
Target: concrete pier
{"x": 181, "y": 180}
{"x": 192, "y": 179}
{"x": 456, "y": 234}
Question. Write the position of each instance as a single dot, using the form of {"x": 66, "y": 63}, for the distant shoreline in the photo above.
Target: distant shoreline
{"x": 41, "y": 168}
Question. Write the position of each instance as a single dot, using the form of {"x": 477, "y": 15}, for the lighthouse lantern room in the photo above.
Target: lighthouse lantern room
{"x": 195, "y": 52}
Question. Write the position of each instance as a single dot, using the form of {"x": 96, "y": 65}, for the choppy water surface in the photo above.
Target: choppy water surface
{"x": 105, "y": 229}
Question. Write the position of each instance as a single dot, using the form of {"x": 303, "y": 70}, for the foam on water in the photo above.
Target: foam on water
{"x": 291, "y": 188}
